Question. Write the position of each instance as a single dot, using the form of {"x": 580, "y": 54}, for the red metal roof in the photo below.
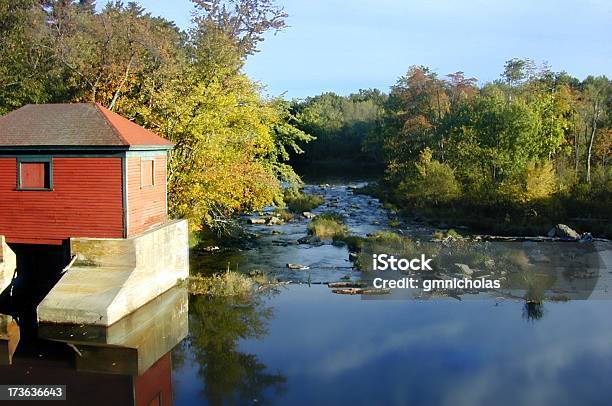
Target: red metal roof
{"x": 77, "y": 124}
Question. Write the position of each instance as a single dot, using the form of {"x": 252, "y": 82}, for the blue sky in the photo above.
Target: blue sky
{"x": 345, "y": 45}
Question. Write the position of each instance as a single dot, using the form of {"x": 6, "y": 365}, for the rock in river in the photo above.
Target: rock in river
{"x": 309, "y": 239}
{"x": 274, "y": 221}
{"x": 563, "y": 231}
{"x": 298, "y": 267}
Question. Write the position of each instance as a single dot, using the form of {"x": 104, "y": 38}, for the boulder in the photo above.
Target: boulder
{"x": 465, "y": 269}
{"x": 257, "y": 220}
{"x": 309, "y": 239}
{"x": 308, "y": 215}
{"x": 274, "y": 221}
{"x": 563, "y": 231}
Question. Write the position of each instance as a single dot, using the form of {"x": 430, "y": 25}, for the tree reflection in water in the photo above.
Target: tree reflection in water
{"x": 216, "y": 324}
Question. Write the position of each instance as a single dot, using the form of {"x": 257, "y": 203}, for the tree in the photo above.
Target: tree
{"x": 339, "y": 123}
{"x": 433, "y": 183}
{"x": 105, "y": 53}
{"x": 598, "y": 98}
{"x": 27, "y": 73}
{"x": 231, "y": 144}
{"x": 244, "y": 21}
{"x": 516, "y": 70}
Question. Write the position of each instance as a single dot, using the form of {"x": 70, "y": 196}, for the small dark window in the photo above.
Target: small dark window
{"x": 147, "y": 171}
{"x": 34, "y": 175}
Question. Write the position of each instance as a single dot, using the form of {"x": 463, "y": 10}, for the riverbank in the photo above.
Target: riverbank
{"x": 502, "y": 218}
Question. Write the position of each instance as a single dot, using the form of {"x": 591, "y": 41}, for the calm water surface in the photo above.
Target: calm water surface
{"x": 302, "y": 344}
{"x": 305, "y": 345}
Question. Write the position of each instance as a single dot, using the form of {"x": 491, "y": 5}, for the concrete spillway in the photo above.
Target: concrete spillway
{"x": 111, "y": 278}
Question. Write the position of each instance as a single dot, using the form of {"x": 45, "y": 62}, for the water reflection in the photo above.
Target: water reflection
{"x": 131, "y": 345}
{"x": 126, "y": 363}
{"x": 228, "y": 375}
{"x": 333, "y": 349}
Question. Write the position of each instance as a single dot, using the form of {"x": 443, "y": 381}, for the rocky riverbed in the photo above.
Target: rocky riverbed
{"x": 283, "y": 250}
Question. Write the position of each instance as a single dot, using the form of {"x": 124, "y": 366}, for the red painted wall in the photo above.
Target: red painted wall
{"x": 86, "y": 201}
{"x": 146, "y": 204}
{"x": 154, "y": 387}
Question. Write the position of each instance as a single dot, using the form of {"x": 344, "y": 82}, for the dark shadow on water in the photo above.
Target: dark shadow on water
{"x": 533, "y": 311}
{"x": 38, "y": 270}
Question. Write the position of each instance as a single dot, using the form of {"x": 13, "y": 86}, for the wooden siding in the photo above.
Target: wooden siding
{"x": 146, "y": 204}
{"x": 86, "y": 201}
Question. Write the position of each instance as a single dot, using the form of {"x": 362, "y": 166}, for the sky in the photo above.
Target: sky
{"x": 346, "y": 45}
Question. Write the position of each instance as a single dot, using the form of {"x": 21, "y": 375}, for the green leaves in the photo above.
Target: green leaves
{"x": 496, "y": 141}
{"x": 231, "y": 144}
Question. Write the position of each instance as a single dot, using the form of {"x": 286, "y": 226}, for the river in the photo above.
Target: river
{"x": 302, "y": 344}
{"x": 299, "y": 343}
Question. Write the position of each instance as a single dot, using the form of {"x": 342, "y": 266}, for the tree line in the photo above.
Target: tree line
{"x": 232, "y": 145}
{"x": 340, "y": 124}
{"x": 532, "y": 146}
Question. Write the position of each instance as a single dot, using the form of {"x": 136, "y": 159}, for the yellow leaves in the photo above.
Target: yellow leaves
{"x": 536, "y": 182}
{"x": 434, "y": 183}
{"x": 223, "y": 134}
{"x": 541, "y": 181}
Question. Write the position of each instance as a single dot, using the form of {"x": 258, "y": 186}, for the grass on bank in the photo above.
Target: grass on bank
{"x": 328, "y": 225}
{"x": 298, "y": 202}
{"x": 228, "y": 284}
{"x": 476, "y": 255}
{"x": 284, "y": 214}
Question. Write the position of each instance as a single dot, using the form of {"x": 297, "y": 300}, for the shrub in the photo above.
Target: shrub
{"x": 284, "y": 214}
{"x": 299, "y": 202}
{"x": 395, "y": 223}
{"x": 453, "y": 234}
{"x": 328, "y": 225}
{"x": 228, "y": 283}
{"x": 354, "y": 243}
{"x": 540, "y": 181}
{"x": 434, "y": 182}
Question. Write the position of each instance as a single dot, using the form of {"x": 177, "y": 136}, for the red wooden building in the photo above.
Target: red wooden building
{"x": 78, "y": 170}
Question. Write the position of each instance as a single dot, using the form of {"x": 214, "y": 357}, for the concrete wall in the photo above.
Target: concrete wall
{"x": 111, "y": 278}
{"x": 8, "y": 263}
